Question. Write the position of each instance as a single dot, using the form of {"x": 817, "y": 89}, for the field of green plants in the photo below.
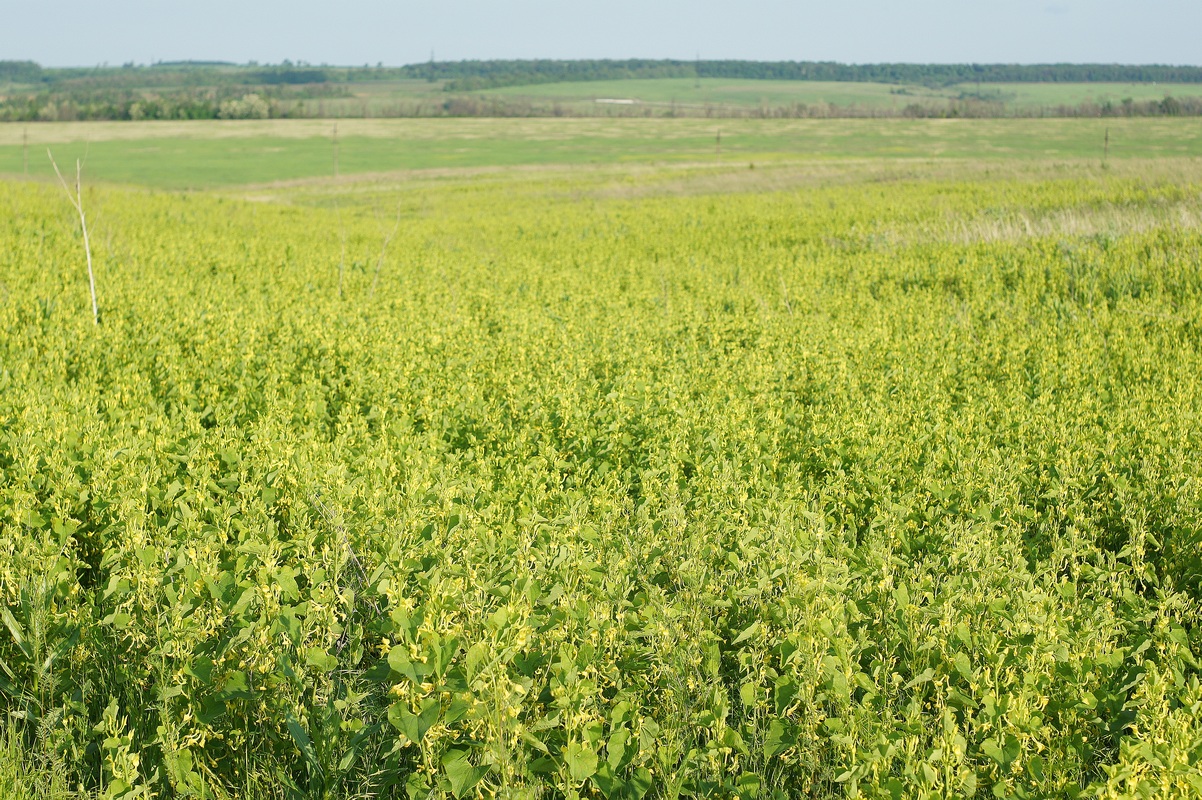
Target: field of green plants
{"x": 641, "y": 484}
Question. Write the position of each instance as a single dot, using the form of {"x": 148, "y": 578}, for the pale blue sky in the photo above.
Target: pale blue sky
{"x": 88, "y": 32}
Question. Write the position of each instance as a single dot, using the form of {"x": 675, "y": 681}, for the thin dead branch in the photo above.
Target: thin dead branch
{"x": 383, "y": 251}
{"x": 77, "y": 201}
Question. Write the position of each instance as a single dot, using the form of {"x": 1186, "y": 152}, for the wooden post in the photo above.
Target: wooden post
{"x": 25, "y": 150}
{"x": 718, "y": 141}
{"x": 1106, "y": 147}
{"x": 335, "y": 149}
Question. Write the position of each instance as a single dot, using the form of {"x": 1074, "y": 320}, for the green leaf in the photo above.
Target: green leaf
{"x": 963, "y": 666}
{"x": 61, "y": 649}
{"x": 286, "y": 580}
{"x": 608, "y": 783}
{"x": 783, "y": 695}
{"x": 201, "y": 668}
{"x": 18, "y": 634}
{"x": 399, "y": 661}
{"x": 320, "y": 659}
{"x": 582, "y": 762}
{"x": 461, "y": 773}
{"x": 414, "y": 726}
{"x": 441, "y": 654}
{"x": 748, "y": 694}
{"x": 616, "y": 748}
{"x": 120, "y": 621}
{"x": 532, "y": 740}
{"x": 780, "y": 737}
{"x": 416, "y": 788}
{"x": 476, "y": 655}
{"x": 638, "y": 784}
{"x": 235, "y": 687}
{"x": 116, "y": 790}
{"x": 748, "y": 785}
{"x": 926, "y": 676}
{"x": 620, "y": 713}
{"x": 732, "y": 739}
{"x": 7, "y": 687}
{"x": 458, "y": 709}
{"x": 747, "y": 633}
{"x": 1003, "y": 753}
{"x": 303, "y": 743}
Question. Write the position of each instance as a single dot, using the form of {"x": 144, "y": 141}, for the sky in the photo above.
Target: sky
{"x": 91, "y": 32}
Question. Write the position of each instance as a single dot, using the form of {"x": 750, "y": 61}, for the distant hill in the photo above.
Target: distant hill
{"x": 175, "y": 90}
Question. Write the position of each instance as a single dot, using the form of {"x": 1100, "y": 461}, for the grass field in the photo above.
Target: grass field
{"x": 747, "y": 93}
{"x": 692, "y": 97}
{"x": 205, "y": 154}
{"x": 575, "y": 461}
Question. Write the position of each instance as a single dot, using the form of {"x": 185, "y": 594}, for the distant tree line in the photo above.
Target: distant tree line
{"x": 253, "y": 105}
{"x": 225, "y": 102}
{"x": 949, "y": 74}
{"x": 218, "y": 90}
{"x": 20, "y": 72}
{"x": 460, "y": 76}
{"x": 968, "y": 107}
{"x": 474, "y": 75}
{"x": 958, "y": 108}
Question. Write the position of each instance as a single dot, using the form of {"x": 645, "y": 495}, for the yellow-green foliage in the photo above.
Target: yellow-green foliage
{"x": 883, "y": 490}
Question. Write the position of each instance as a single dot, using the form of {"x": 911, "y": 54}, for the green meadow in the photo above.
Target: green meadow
{"x": 883, "y": 96}
{"x": 197, "y": 155}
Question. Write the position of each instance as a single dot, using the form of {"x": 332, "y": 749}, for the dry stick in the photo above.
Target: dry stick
{"x": 77, "y": 201}
{"x": 785, "y": 289}
{"x": 383, "y": 250}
